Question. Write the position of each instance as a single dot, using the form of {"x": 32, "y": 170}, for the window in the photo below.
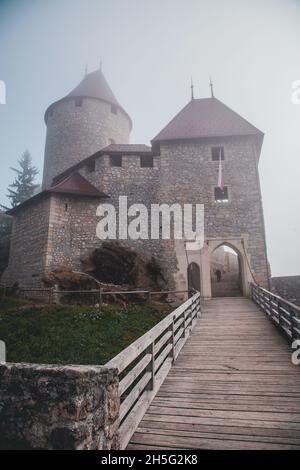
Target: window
{"x": 115, "y": 160}
{"x": 221, "y": 195}
{"x": 113, "y": 108}
{"x": 78, "y": 101}
{"x": 91, "y": 166}
{"x": 215, "y": 153}
{"x": 146, "y": 162}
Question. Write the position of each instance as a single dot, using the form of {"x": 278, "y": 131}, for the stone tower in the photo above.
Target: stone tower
{"x": 191, "y": 146}
{"x": 84, "y": 121}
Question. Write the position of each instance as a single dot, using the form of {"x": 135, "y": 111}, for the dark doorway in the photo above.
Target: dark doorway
{"x": 225, "y": 272}
{"x": 194, "y": 276}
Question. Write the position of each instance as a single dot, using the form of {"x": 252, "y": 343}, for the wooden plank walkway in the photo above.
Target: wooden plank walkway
{"x": 233, "y": 386}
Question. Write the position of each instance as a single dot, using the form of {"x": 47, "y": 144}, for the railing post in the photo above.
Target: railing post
{"x": 279, "y": 312}
{"x": 149, "y": 297}
{"x": 151, "y": 366}
{"x": 100, "y": 296}
{"x": 173, "y": 340}
{"x": 293, "y": 336}
{"x": 184, "y": 324}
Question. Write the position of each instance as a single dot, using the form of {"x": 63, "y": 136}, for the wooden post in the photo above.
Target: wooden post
{"x": 279, "y": 312}
{"x": 151, "y": 366}
{"x": 173, "y": 340}
{"x": 149, "y": 297}
{"x": 293, "y": 335}
{"x": 184, "y": 324}
{"x": 100, "y": 296}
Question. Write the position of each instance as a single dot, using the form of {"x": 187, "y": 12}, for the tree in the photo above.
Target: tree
{"x": 23, "y": 186}
{"x": 5, "y": 224}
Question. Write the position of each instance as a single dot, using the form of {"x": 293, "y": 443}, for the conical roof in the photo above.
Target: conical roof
{"x": 93, "y": 85}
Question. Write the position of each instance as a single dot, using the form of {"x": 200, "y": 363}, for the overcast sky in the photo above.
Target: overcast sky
{"x": 149, "y": 51}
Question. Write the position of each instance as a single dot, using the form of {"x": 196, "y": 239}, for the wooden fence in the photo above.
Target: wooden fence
{"x": 52, "y": 294}
{"x": 144, "y": 364}
{"x": 283, "y": 313}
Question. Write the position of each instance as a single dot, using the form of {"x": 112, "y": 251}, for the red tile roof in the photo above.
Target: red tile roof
{"x": 73, "y": 185}
{"x": 76, "y": 184}
{"x": 206, "y": 117}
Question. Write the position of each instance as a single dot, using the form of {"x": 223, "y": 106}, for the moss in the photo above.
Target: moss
{"x": 71, "y": 334}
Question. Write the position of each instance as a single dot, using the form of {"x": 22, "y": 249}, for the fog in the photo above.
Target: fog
{"x": 149, "y": 51}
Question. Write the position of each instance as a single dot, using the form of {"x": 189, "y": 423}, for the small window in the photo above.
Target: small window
{"x": 115, "y": 160}
{"x": 146, "y": 162}
{"x": 113, "y": 108}
{"x": 221, "y": 195}
{"x": 215, "y": 153}
{"x": 78, "y": 101}
{"x": 91, "y": 166}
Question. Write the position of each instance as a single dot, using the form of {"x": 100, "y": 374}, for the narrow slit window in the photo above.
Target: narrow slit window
{"x": 78, "y": 102}
{"x": 146, "y": 162}
{"x": 215, "y": 153}
{"x": 115, "y": 160}
{"x": 221, "y": 195}
{"x": 91, "y": 166}
{"x": 114, "y": 109}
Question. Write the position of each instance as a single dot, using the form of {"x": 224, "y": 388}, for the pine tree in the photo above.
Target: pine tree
{"x": 5, "y": 224}
{"x": 23, "y": 186}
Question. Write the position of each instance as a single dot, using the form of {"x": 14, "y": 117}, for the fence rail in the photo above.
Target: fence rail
{"x": 283, "y": 313}
{"x": 144, "y": 364}
{"x": 53, "y": 294}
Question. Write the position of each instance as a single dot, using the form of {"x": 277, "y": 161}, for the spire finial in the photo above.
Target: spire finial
{"x": 211, "y": 87}
{"x": 100, "y": 65}
{"x": 192, "y": 89}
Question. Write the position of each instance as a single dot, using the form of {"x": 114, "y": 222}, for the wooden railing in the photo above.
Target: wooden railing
{"x": 144, "y": 364}
{"x": 283, "y": 313}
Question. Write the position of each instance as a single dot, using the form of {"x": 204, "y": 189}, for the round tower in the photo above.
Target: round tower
{"x": 78, "y": 125}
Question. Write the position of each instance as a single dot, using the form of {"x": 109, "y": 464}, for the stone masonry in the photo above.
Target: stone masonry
{"x": 58, "y": 227}
{"x": 58, "y": 407}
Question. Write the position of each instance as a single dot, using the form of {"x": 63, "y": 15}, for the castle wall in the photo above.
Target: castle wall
{"x": 73, "y": 220}
{"x": 72, "y": 230}
{"x": 75, "y": 132}
{"x": 62, "y": 229}
{"x": 188, "y": 175}
{"x": 140, "y": 185}
{"x": 29, "y": 244}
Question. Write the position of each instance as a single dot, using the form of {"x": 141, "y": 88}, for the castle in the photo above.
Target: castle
{"x": 89, "y": 161}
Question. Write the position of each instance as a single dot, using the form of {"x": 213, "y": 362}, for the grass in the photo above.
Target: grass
{"x": 54, "y": 334}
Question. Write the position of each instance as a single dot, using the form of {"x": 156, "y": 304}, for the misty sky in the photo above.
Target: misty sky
{"x": 149, "y": 51}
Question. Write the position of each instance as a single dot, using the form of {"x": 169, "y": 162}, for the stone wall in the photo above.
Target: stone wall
{"x": 287, "y": 287}
{"x": 183, "y": 173}
{"x": 58, "y": 407}
{"x": 75, "y": 132}
{"x": 188, "y": 175}
{"x": 29, "y": 244}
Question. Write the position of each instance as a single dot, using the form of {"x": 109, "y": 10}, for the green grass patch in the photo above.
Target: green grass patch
{"x": 52, "y": 334}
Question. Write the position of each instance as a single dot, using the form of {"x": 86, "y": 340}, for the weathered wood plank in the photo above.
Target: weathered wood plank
{"x": 233, "y": 386}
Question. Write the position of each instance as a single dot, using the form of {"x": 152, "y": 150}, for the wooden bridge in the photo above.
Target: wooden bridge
{"x": 225, "y": 381}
